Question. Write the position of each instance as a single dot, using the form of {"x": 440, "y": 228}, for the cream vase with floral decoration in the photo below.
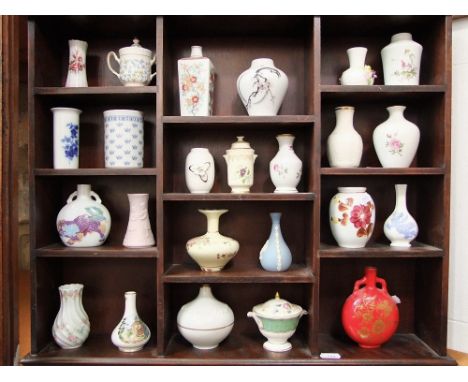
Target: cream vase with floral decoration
{"x": 240, "y": 161}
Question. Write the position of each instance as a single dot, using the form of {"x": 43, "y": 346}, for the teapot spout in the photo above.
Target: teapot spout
{"x": 257, "y": 320}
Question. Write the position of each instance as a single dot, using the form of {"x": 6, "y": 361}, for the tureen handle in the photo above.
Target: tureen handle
{"x": 109, "y": 55}
{"x": 257, "y": 320}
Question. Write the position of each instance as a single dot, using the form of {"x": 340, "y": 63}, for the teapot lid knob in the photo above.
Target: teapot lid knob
{"x": 277, "y": 296}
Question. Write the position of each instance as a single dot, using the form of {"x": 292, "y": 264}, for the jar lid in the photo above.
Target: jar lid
{"x": 277, "y": 308}
{"x": 135, "y": 48}
{"x": 240, "y": 144}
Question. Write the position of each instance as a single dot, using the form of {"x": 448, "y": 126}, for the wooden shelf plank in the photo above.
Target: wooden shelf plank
{"x": 377, "y": 250}
{"x": 241, "y": 119}
{"x": 104, "y": 251}
{"x": 96, "y": 172}
{"x": 96, "y": 90}
{"x": 182, "y": 273}
{"x": 383, "y": 171}
{"x": 402, "y": 349}
{"x": 182, "y": 197}
{"x": 383, "y": 88}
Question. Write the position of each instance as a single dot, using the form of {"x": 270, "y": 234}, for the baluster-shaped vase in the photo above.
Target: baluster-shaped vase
{"x": 77, "y": 64}
{"x": 139, "y": 233}
{"x": 275, "y": 256}
{"x": 356, "y": 73}
{"x": 285, "y": 167}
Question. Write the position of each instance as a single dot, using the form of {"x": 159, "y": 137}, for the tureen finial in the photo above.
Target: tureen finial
{"x": 136, "y": 41}
{"x": 277, "y": 296}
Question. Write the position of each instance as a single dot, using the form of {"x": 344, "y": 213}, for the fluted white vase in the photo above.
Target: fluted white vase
{"x": 356, "y": 73}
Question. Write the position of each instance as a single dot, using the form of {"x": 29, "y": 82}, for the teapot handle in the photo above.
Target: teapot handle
{"x": 109, "y": 55}
{"x": 153, "y": 60}
{"x": 98, "y": 199}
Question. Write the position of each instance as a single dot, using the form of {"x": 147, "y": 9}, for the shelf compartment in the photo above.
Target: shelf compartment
{"x": 97, "y": 350}
{"x": 241, "y": 120}
{"x": 382, "y": 89}
{"x": 268, "y": 197}
{"x": 104, "y": 251}
{"x": 383, "y": 171}
{"x": 402, "y": 349}
{"x": 376, "y": 250}
{"x": 94, "y": 90}
{"x": 96, "y": 172}
{"x": 182, "y": 273}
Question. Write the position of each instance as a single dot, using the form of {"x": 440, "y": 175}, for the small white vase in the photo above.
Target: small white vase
{"x": 352, "y": 217}
{"x": 401, "y": 60}
{"x": 66, "y": 137}
{"x": 77, "y": 64}
{"x": 123, "y": 139}
{"x": 205, "y": 321}
{"x": 240, "y": 159}
{"x": 212, "y": 251}
{"x": 344, "y": 145}
{"x": 400, "y": 227}
{"x": 139, "y": 233}
{"x": 131, "y": 333}
{"x": 356, "y": 74}
{"x": 71, "y": 326}
{"x": 396, "y": 140}
{"x": 84, "y": 221}
{"x": 262, "y": 87}
{"x": 199, "y": 171}
{"x": 285, "y": 167}
{"x": 196, "y": 84}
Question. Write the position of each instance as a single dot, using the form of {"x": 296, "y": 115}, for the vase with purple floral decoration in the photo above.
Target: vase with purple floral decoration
{"x": 66, "y": 126}
{"x": 240, "y": 159}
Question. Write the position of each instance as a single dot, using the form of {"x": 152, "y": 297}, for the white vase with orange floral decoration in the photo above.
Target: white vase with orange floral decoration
{"x": 352, "y": 217}
{"x": 196, "y": 84}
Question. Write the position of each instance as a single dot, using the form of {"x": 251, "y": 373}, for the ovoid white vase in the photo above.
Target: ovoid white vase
{"x": 131, "y": 333}
{"x": 344, "y": 144}
{"x": 401, "y": 60}
{"x": 66, "y": 137}
{"x": 285, "y": 167}
{"x": 205, "y": 321}
{"x": 396, "y": 140}
{"x": 212, "y": 251}
{"x": 356, "y": 73}
{"x": 262, "y": 87}
{"x": 139, "y": 233}
{"x": 71, "y": 326}
{"x": 400, "y": 227}
{"x": 196, "y": 84}
{"x": 76, "y": 76}
{"x": 199, "y": 171}
{"x": 352, "y": 217}
{"x": 84, "y": 221}
{"x": 240, "y": 159}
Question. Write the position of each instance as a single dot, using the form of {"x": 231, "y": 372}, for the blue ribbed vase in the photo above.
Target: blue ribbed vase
{"x": 275, "y": 255}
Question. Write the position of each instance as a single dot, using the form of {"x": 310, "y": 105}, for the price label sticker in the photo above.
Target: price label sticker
{"x": 330, "y": 355}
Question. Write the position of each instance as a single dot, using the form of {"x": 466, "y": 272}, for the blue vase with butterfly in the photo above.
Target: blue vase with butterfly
{"x": 199, "y": 171}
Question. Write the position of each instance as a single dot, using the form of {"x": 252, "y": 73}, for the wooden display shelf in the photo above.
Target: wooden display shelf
{"x": 241, "y": 120}
{"x": 358, "y": 171}
{"x": 381, "y": 89}
{"x": 377, "y": 250}
{"x": 182, "y": 273}
{"x": 51, "y": 90}
{"x": 104, "y": 251}
{"x": 229, "y": 197}
{"x": 95, "y": 171}
{"x": 402, "y": 349}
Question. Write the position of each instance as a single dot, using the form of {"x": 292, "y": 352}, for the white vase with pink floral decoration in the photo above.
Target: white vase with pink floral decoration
{"x": 76, "y": 76}
{"x": 285, "y": 167}
{"x": 352, "y": 217}
{"x": 396, "y": 140}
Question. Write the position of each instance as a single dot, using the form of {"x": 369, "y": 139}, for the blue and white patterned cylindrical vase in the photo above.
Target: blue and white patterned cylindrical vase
{"x": 66, "y": 137}
{"x": 275, "y": 256}
{"x": 123, "y": 131}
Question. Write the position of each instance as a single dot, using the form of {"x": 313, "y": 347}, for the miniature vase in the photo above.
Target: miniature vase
{"x": 344, "y": 144}
{"x": 396, "y": 140}
{"x": 400, "y": 227}
{"x": 212, "y": 251}
{"x": 84, "y": 221}
{"x": 71, "y": 326}
{"x": 285, "y": 167}
{"x": 277, "y": 320}
{"x": 401, "y": 60}
{"x": 275, "y": 255}
{"x": 356, "y": 74}
{"x": 135, "y": 64}
{"x": 240, "y": 159}
{"x": 262, "y": 87}
{"x": 199, "y": 171}
{"x": 76, "y": 76}
{"x": 66, "y": 137}
{"x": 123, "y": 138}
{"x": 352, "y": 217}
{"x": 196, "y": 84}
{"x": 131, "y": 333}
{"x": 139, "y": 233}
{"x": 205, "y": 321}
{"x": 370, "y": 315}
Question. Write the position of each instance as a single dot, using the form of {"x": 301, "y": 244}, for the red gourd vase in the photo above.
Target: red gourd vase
{"x": 370, "y": 316}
